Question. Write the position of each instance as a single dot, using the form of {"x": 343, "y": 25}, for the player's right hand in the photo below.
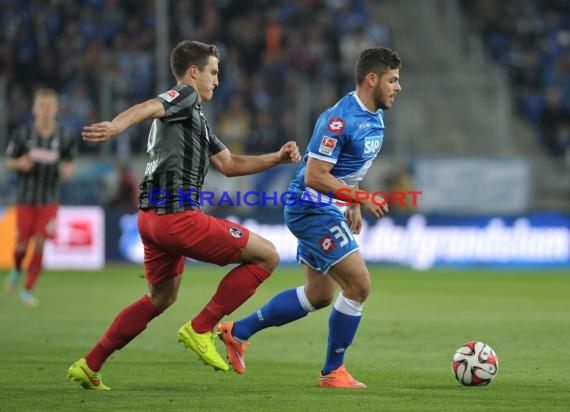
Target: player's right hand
{"x": 99, "y": 132}
{"x": 377, "y": 208}
{"x": 25, "y": 163}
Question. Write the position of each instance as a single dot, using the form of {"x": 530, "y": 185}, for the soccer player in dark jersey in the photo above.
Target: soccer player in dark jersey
{"x": 40, "y": 153}
{"x": 180, "y": 148}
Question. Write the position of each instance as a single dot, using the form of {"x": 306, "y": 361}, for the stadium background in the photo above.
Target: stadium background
{"x": 481, "y": 128}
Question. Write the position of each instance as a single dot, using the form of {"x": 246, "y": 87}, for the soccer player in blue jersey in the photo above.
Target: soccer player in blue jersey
{"x": 346, "y": 139}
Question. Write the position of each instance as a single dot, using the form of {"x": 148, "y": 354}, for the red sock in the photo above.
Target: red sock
{"x": 237, "y": 287}
{"x": 34, "y": 270}
{"x": 18, "y": 257}
{"x": 127, "y": 325}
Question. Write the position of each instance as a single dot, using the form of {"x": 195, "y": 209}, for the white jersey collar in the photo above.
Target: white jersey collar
{"x": 362, "y": 106}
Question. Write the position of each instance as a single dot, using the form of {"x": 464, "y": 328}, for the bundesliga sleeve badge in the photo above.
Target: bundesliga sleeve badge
{"x": 169, "y": 95}
{"x": 327, "y": 145}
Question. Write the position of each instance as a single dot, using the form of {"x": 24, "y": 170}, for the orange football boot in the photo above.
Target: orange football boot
{"x": 339, "y": 378}
{"x": 235, "y": 349}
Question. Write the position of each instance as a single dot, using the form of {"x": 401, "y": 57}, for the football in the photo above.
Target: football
{"x": 475, "y": 364}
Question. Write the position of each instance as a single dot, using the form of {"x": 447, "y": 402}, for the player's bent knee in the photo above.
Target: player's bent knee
{"x": 271, "y": 259}
{"x": 359, "y": 293}
{"x": 163, "y": 302}
{"x": 363, "y": 295}
{"x": 322, "y": 302}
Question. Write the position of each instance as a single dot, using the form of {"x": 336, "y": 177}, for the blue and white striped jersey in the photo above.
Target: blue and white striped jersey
{"x": 347, "y": 135}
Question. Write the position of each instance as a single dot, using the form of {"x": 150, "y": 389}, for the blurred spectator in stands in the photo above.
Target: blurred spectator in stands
{"x": 554, "y": 124}
{"x": 235, "y": 124}
{"x": 532, "y": 39}
{"x": 77, "y": 108}
{"x": 266, "y": 135}
{"x": 19, "y": 113}
{"x": 351, "y": 45}
{"x": 400, "y": 182}
{"x": 127, "y": 195}
{"x": 107, "y": 46}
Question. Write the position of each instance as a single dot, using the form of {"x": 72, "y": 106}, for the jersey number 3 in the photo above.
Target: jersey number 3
{"x": 342, "y": 233}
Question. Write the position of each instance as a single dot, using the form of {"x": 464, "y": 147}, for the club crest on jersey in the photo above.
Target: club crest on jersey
{"x": 235, "y": 232}
{"x": 327, "y": 145}
{"x": 336, "y": 125}
{"x": 169, "y": 95}
{"x": 327, "y": 244}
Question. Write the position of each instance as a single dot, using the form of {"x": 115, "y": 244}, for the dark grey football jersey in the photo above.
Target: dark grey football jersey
{"x": 178, "y": 154}
{"x": 41, "y": 185}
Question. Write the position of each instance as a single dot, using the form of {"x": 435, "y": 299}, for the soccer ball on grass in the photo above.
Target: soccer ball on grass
{"x": 475, "y": 364}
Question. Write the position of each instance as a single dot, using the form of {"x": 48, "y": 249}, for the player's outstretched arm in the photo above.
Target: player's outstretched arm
{"x": 103, "y": 131}
{"x": 231, "y": 164}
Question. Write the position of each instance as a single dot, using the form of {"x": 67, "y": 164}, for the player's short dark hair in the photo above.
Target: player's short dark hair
{"x": 376, "y": 60}
{"x": 191, "y": 52}
{"x": 45, "y": 91}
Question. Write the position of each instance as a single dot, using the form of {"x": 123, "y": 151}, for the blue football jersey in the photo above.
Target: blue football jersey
{"x": 347, "y": 135}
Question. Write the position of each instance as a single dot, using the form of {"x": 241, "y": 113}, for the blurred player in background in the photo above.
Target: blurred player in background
{"x": 346, "y": 139}
{"x": 39, "y": 153}
{"x": 180, "y": 148}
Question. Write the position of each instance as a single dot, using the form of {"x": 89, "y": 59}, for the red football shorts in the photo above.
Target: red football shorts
{"x": 35, "y": 219}
{"x": 169, "y": 238}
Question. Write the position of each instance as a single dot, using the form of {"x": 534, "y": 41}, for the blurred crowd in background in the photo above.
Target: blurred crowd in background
{"x": 72, "y": 45}
{"x": 531, "y": 39}
{"x": 89, "y": 50}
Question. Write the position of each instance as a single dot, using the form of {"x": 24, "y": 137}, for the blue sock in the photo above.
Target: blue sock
{"x": 283, "y": 308}
{"x": 342, "y": 329}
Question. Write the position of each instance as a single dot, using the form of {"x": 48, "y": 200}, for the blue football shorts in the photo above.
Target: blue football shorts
{"x": 323, "y": 234}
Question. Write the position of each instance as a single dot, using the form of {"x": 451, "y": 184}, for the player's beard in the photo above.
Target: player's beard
{"x": 381, "y": 99}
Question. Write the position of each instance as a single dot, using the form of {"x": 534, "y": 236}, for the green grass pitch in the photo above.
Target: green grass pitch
{"x": 412, "y": 324}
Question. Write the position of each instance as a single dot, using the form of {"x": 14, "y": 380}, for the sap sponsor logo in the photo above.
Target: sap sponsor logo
{"x": 371, "y": 145}
{"x": 169, "y": 95}
{"x": 336, "y": 125}
{"x": 365, "y": 125}
{"x": 327, "y": 145}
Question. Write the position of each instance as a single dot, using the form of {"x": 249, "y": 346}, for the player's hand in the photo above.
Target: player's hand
{"x": 99, "y": 132}
{"x": 289, "y": 153}
{"x": 353, "y": 216}
{"x": 25, "y": 163}
{"x": 377, "y": 208}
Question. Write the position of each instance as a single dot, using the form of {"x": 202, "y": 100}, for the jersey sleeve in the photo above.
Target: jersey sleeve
{"x": 328, "y": 138}
{"x": 17, "y": 144}
{"x": 69, "y": 149}
{"x": 178, "y": 102}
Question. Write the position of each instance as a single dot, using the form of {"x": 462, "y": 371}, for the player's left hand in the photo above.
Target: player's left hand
{"x": 353, "y": 216}
{"x": 289, "y": 153}
{"x": 99, "y": 132}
